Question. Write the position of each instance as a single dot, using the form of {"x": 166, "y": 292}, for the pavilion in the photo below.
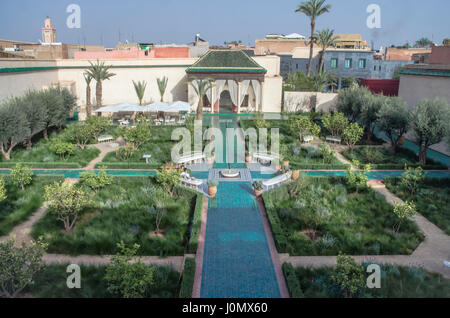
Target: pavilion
{"x": 237, "y": 81}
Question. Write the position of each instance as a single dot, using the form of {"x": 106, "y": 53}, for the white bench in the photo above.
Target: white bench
{"x": 105, "y": 138}
{"x": 333, "y": 139}
{"x": 192, "y": 158}
{"x": 308, "y": 138}
{"x": 265, "y": 156}
{"x": 277, "y": 180}
{"x": 192, "y": 183}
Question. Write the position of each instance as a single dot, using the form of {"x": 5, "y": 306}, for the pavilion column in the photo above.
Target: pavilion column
{"x": 239, "y": 97}
{"x": 212, "y": 96}
{"x": 261, "y": 99}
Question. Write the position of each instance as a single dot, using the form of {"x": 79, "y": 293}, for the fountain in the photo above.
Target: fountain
{"x": 229, "y": 174}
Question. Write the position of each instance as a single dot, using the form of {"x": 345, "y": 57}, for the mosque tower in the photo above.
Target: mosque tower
{"x": 48, "y": 32}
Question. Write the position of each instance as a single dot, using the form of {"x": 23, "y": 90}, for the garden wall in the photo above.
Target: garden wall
{"x": 303, "y": 101}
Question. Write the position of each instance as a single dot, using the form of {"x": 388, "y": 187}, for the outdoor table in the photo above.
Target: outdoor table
{"x": 146, "y": 157}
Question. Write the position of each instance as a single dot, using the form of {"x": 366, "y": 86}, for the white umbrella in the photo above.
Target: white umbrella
{"x": 179, "y": 106}
{"x": 157, "y": 107}
{"x": 121, "y": 107}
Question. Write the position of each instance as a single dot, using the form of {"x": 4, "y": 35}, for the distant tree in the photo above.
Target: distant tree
{"x": 201, "y": 87}
{"x": 62, "y": 148}
{"x": 139, "y": 87}
{"x": 320, "y": 81}
{"x": 352, "y": 134}
{"x": 168, "y": 178}
{"x": 446, "y": 41}
{"x": 97, "y": 124}
{"x": 99, "y": 72}
{"x": 335, "y": 123}
{"x": 423, "y": 42}
{"x": 66, "y": 202}
{"x": 325, "y": 38}
{"x": 403, "y": 211}
{"x": 137, "y": 136}
{"x": 162, "y": 86}
{"x": 14, "y": 127}
{"x": 21, "y": 175}
{"x": 412, "y": 178}
{"x": 127, "y": 276}
{"x": 394, "y": 118}
{"x": 312, "y": 9}
{"x": 430, "y": 122}
{"x": 297, "y": 82}
{"x": 19, "y": 266}
{"x": 79, "y": 133}
{"x": 302, "y": 125}
{"x": 369, "y": 114}
{"x": 351, "y": 101}
{"x": 88, "y": 80}
{"x": 348, "y": 275}
{"x": 35, "y": 112}
{"x": 69, "y": 103}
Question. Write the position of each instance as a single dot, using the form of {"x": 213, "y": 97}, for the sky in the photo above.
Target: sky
{"x": 177, "y": 21}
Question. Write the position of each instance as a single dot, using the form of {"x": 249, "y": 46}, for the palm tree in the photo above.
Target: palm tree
{"x": 319, "y": 81}
{"x": 88, "y": 79}
{"x": 139, "y": 87}
{"x": 99, "y": 72}
{"x": 162, "y": 85}
{"x": 312, "y": 9}
{"x": 203, "y": 85}
{"x": 325, "y": 38}
{"x": 423, "y": 42}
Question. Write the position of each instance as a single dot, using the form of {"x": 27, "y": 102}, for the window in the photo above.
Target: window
{"x": 245, "y": 102}
{"x": 348, "y": 63}
{"x": 362, "y": 63}
{"x": 334, "y": 63}
{"x": 379, "y": 68}
{"x": 296, "y": 65}
{"x": 206, "y": 102}
{"x": 374, "y": 67}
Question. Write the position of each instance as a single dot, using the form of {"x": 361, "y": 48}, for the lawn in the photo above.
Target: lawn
{"x": 382, "y": 158}
{"x": 396, "y": 282}
{"x": 51, "y": 283}
{"x": 40, "y": 155}
{"x": 20, "y": 204}
{"x": 432, "y": 199}
{"x": 125, "y": 211}
{"x": 324, "y": 216}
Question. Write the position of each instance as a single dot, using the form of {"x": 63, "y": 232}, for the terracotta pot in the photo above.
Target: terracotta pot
{"x": 212, "y": 191}
{"x": 278, "y": 167}
{"x": 258, "y": 192}
{"x": 286, "y": 163}
{"x": 295, "y": 174}
{"x": 248, "y": 159}
{"x": 401, "y": 141}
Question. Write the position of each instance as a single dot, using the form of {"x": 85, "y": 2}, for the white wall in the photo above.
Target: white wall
{"x": 296, "y": 101}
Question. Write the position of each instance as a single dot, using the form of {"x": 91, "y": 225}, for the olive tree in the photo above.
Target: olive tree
{"x": 393, "y": 118}
{"x": 14, "y": 127}
{"x": 352, "y": 100}
{"x": 335, "y": 123}
{"x": 369, "y": 114}
{"x": 35, "y": 112}
{"x": 19, "y": 266}
{"x": 430, "y": 124}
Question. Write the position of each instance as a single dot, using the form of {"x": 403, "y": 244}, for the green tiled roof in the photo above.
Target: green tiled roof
{"x": 226, "y": 61}
{"x": 425, "y": 72}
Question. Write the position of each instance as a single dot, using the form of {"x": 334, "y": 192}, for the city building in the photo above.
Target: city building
{"x": 404, "y": 54}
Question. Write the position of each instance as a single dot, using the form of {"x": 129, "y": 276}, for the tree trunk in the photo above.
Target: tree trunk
{"x": 45, "y": 133}
{"x": 6, "y": 154}
{"x": 29, "y": 144}
{"x": 322, "y": 61}
{"x": 88, "y": 101}
{"x": 200, "y": 109}
{"x": 423, "y": 161}
{"x": 98, "y": 94}
{"x": 311, "y": 45}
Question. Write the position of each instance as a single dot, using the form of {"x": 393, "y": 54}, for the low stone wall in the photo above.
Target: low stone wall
{"x": 304, "y": 101}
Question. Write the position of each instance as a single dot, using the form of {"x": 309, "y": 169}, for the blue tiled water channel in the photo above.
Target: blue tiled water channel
{"x": 236, "y": 260}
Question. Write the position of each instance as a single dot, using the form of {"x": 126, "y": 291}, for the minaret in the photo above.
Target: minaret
{"x": 48, "y": 32}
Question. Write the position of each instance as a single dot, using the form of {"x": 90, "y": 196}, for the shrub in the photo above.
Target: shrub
{"x": 335, "y": 123}
{"x": 187, "y": 282}
{"x": 168, "y": 178}
{"x": 352, "y": 134}
{"x": 212, "y": 183}
{"x": 66, "y": 201}
{"x": 403, "y": 211}
{"x": 292, "y": 282}
{"x": 348, "y": 275}
{"x": 62, "y": 148}
{"x": 412, "y": 178}
{"x": 2, "y": 189}
{"x": 124, "y": 153}
{"x": 95, "y": 181}
{"x": 21, "y": 175}
{"x": 136, "y": 136}
{"x": 257, "y": 185}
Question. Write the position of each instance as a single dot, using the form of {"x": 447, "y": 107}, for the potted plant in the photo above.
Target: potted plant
{"x": 258, "y": 186}
{"x": 212, "y": 187}
{"x": 248, "y": 158}
{"x": 295, "y": 174}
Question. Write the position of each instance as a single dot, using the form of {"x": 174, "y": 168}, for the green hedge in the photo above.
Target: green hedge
{"x": 187, "y": 282}
{"x": 127, "y": 165}
{"x": 402, "y": 167}
{"x": 306, "y": 166}
{"x": 279, "y": 236}
{"x": 43, "y": 165}
{"x": 293, "y": 285}
{"x": 196, "y": 224}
